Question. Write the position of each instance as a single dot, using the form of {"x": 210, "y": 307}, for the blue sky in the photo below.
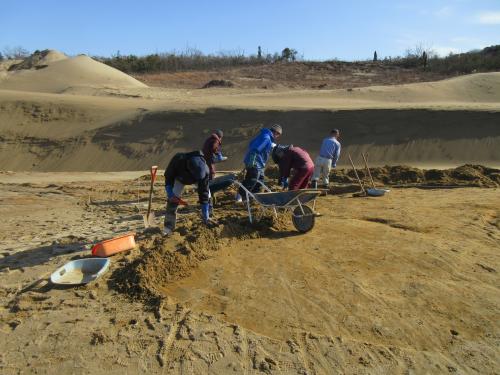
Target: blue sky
{"x": 318, "y": 29}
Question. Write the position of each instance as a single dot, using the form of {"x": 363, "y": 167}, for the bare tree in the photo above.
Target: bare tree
{"x": 17, "y": 52}
{"x": 288, "y": 54}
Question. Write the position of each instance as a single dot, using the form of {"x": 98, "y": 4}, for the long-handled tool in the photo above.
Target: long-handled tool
{"x": 357, "y": 176}
{"x": 368, "y": 170}
{"x": 373, "y": 191}
{"x": 149, "y": 218}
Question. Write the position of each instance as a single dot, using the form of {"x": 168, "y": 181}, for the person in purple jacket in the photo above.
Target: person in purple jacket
{"x": 290, "y": 158}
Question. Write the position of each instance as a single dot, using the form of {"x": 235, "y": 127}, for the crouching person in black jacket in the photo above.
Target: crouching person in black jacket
{"x": 186, "y": 169}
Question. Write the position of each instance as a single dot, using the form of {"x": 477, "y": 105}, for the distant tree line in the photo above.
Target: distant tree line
{"x": 419, "y": 57}
{"x": 193, "y": 59}
{"x": 485, "y": 60}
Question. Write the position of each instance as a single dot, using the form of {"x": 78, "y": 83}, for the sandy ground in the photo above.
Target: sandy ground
{"x": 406, "y": 283}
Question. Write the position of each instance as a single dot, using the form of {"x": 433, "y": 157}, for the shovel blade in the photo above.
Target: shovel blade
{"x": 150, "y": 220}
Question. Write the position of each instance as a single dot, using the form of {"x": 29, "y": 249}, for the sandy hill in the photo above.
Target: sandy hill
{"x": 54, "y": 73}
{"x": 128, "y": 126}
{"x": 481, "y": 87}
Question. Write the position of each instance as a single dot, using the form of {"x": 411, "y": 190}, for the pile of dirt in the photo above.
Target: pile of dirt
{"x": 161, "y": 260}
{"x": 465, "y": 175}
{"x": 218, "y": 83}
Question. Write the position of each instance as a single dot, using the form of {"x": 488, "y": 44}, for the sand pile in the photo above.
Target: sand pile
{"x": 51, "y": 72}
{"x": 161, "y": 260}
{"x": 465, "y": 175}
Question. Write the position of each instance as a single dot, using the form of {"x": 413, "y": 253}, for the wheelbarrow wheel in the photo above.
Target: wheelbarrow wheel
{"x": 303, "y": 222}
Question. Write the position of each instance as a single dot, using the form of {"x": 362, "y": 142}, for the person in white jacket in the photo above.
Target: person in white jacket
{"x": 327, "y": 158}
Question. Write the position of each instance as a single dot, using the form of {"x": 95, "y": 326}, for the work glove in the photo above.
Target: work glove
{"x": 170, "y": 191}
{"x": 284, "y": 182}
{"x": 172, "y": 198}
{"x": 205, "y": 212}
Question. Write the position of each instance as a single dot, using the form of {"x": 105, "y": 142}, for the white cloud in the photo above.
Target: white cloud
{"x": 445, "y": 50}
{"x": 445, "y": 11}
{"x": 489, "y": 18}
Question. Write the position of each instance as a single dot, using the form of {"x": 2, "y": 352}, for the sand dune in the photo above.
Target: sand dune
{"x": 78, "y": 114}
{"x": 62, "y": 74}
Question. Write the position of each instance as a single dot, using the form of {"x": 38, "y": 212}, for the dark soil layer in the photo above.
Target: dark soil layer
{"x": 465, "y": 175}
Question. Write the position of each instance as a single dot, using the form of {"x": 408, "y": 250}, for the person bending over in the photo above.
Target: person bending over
{"x": 290, "y": 158}
{"x": 186, "y": 169}
{"x": 256, "y": 158}
{"x": 212, "y": 151}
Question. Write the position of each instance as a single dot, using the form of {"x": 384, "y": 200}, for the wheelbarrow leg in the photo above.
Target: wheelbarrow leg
{"x": 300, "y": 205}
{"x": 248, "y": 208}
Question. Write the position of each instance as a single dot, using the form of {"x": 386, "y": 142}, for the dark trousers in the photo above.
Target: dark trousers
{"x": 252, "y": 175}
{"x": 171, "y": 215}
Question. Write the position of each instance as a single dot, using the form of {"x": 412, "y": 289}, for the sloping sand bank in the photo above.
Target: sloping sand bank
{"x": 76, "y": 114}
{"x": 415, "y": 137}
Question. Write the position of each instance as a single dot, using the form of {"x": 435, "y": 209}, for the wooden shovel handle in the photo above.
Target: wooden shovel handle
{"x": 368, "y": 169}
{"x": 153, "y": 171}
{"x": 356, "y": 173}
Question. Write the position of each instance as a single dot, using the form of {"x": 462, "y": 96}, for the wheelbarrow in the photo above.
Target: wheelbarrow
{"x": 219, "y": 184}
{"x": 295, "y": 201}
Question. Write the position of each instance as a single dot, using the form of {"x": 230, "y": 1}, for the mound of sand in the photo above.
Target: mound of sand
{"x": 60, "y": 74}
{"x": 161, "y": 263}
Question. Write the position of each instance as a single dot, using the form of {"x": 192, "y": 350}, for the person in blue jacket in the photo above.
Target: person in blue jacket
{"x": 256, "y": 158}
{"x": 186, "y": 169}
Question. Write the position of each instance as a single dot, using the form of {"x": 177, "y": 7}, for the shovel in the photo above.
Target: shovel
{"x": 149, "y": 218}
{"x": 357, "y": 176}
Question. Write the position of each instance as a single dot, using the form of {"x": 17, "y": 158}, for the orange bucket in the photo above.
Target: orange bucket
{"x": 114, "y": 245}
